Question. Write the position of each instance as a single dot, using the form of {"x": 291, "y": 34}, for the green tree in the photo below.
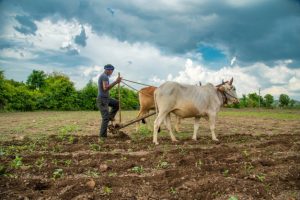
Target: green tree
{"x": 36, "y": 79}
{"x": 129, "y": 98}
{"x": 87, "y": 96}
{"x": 19, "y": 97}
{"x": 255, "y": 100}
{"x": 59, "y": 93}
{"x": 284, "y": 100}
{"x": 292, "y": 103}
{"x": 15, "y": 83}
{"x": 243, "y": 102}
{"x": 269, "y": 100}
{"x": 2, "y": 90}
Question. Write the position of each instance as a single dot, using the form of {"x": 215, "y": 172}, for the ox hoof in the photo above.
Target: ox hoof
{"x": 175, "y": 141}
{"x": 156, "y": 143}
{"x": 216, "y": 141}
{"x": 195, "y": 139}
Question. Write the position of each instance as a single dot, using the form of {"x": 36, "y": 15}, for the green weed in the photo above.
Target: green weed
{"x": 58, "y": 173}
{"x": 17, "y": 162}
{"x": 138, "y": 169}
{"x": 107, "y": 190}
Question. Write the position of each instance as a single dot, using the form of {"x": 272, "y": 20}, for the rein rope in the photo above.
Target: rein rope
{"x": 123, "y": 81}
{"x": 135, "y": 82}
{"x": 224, "y": 93}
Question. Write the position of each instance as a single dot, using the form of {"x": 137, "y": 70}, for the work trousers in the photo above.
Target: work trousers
{"x": 103, "y": 104}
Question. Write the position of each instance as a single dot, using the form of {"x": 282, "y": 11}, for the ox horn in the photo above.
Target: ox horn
{"x": 231, "y": 80}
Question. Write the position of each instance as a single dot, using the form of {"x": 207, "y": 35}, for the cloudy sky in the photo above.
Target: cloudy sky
{"x": 257, "y": 42}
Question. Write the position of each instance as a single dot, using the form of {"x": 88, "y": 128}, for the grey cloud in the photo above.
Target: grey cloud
{"x": 263, "y": 31}
{"x": 27, "y": 25}
{"x": 81, "y": 38}
{"x": 59, "y": 59}
{"x": 70, "y": 50}
{"x": 6, "y": 44}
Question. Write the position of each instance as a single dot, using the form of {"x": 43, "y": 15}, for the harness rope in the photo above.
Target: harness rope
{"x": 224, "y": 94}
{"x": 135, "y": 82}
{"x": 135, "y": 88}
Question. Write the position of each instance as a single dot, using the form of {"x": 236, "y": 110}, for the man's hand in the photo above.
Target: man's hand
{"x": 118, "y": 80}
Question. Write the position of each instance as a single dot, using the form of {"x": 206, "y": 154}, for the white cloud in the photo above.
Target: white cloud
{"x": 294, "y": 84}
{"x": 245, "y": 78}
{"x": 87, "y": 71}
{"x": 232, "y": 60}
{"x": 135, "y": 61}
{"x": 53, "y": 35}
{"x": 49, "y": 35}
{"x": 278, "y": 74}
{"x": 275, "y": 91}
{"x": 69, "y": 47}
{"x": 22, "y": 54}
{"x": 193, "y": 73}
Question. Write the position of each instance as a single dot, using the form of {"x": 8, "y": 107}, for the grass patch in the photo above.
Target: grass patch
{"x": 255, "y": 113}
{"x": 66, "y": 124}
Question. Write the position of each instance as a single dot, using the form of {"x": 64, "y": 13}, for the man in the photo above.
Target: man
{"x": 104, "y": 101}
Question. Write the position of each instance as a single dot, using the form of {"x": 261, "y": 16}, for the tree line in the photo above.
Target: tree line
{"x": 253, "y": 100}
{"x": 55, "y": 91}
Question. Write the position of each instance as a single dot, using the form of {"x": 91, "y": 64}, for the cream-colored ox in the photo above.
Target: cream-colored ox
{"x": 146, "y": 100}
{"x": 187, "y": 101}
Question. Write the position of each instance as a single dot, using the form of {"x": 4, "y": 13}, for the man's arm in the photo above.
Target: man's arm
{"x": 107, "y": 86}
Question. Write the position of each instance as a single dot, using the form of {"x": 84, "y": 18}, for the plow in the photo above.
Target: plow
{"x": 116, "y": 128}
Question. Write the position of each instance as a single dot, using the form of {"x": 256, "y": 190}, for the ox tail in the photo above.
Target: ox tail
{"x": 143, "y": 121}
{"x": 156, "y": 107}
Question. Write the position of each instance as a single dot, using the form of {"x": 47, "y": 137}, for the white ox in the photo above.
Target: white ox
{"x": 146, "y": 100}
{"x": 188, "y": 101}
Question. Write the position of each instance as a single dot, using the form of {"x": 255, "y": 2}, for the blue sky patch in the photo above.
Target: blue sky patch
{"x": 211, "y": 54}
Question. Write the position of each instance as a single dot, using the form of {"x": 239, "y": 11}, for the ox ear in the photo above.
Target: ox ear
{"x": 231, "y": 80}
{"x": 222, "y": 81}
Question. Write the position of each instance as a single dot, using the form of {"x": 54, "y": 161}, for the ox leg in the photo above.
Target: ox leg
{"x": 168, "y": 124}
{"x": 159, "y": 119}
{"x": 212, "y": 122}
{"x": 196, "y": 127}
{"x": 178, "y": 119}
{"x": 138, "y": 124}
{"x": 137, "y": 127}
{"x": 149, "y": 123}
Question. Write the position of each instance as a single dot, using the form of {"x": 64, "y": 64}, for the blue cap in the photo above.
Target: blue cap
{"x": 109, "y": 67}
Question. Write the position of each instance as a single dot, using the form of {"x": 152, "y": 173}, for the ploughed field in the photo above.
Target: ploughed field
{"x": 57, "y": 155}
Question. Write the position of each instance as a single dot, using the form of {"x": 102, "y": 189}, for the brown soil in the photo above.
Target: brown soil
{"x": 256, "y": 158}
{"x": 244, "y": 166}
